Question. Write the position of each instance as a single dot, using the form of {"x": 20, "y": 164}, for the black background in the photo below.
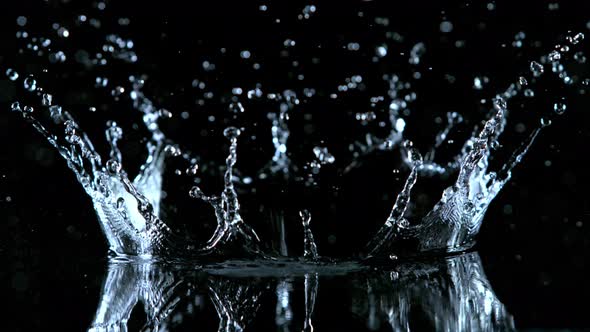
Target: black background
{"x": 534, "y": 242}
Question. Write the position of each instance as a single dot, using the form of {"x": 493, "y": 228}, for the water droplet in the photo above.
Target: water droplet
{"x": 554, "y": 56}
{"x": 245, "y": 54}
{"x": 308, "y": 11}
{"x": 236, "y": 107}
{"x": 559, "y": 108}
{"x": 56, "y": 57}
{"x": 21, "y": 21}
{"x": 195, "y": 192}
{"x": 536, "y": 68}
{"x": 381, "y": 51}
{"x": 30, "y": 83}
{"x": 478, "y": 82}
{"x": 522, "y": 81}
{"x": 529, "y": 93}
{"x": 56, "y": 113}
{"x": 575, "y": 39}
{"x": 172, "y": 150}
{"x": 63, "y": 32}
{"x": 11, "y": 74}
{"x": 231, "y": 132}
{"x": 446, "y": 26}
{"x": 545, "y": 122}
{"x": 323, "y": 155}
{"x": 500, "y": 104}
{"x": 28, "y": 109}
{"x": 192, "y": 170}
{"x": 46, "y": 99}
{"x": 15, "y": 107}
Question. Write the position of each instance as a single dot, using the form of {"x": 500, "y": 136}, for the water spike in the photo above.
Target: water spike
{"x": 310, "y": 250}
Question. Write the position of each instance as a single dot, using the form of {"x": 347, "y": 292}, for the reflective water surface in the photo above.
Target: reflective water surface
{"x": 444, "y": 293}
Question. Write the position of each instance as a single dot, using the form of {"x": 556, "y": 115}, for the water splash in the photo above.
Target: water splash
{"x": 129, "y": 211}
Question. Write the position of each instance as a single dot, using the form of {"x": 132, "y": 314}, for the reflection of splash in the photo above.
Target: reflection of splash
{"x": 450, "y": 294}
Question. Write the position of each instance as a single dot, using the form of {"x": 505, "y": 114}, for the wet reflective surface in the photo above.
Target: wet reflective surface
{"x": 451, "y": 294}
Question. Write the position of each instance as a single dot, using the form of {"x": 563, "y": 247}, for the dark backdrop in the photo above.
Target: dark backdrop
{"x": 534, "y": 241}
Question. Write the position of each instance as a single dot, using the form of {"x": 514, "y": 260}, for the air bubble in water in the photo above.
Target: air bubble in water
{"x": 536, "y": 68}
{"x": 11, "y": 74}
{"x": 28, "y": 109}
{"x": 559, "y": 108}
{"x": 522, "y": 81}
{"x": 120, "y": 203}
{"x": 30, "y": 83}
{"x": 529, "y": 93}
